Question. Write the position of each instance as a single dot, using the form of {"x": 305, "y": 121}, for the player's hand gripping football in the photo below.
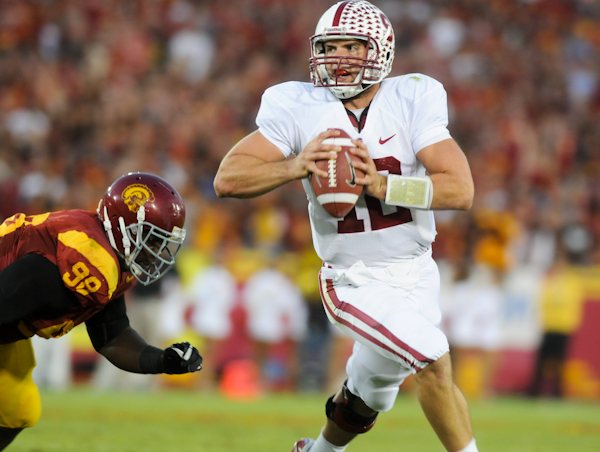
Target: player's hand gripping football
{"x": 304, "y": 163}
{"x": 375, "y": 183}
{"x": 181, "y": 358}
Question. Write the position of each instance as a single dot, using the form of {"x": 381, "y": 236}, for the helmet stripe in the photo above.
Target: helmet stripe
{"x": 338, "y": 14}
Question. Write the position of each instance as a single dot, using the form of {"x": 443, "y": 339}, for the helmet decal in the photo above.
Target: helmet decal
{"x": 137, "y": 195}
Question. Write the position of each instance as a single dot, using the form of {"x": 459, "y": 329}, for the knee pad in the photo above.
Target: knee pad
{"x": 345, "y": 418}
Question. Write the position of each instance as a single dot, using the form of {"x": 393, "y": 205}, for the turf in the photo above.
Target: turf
{"x": 179, "y": 421}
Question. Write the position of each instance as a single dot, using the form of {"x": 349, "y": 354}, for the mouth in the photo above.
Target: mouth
{"x": 343, "y": 76}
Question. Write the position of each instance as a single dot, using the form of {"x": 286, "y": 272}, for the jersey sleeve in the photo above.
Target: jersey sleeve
{"x": 87, "y": 268}
{"x": 429, "y": 119}
{"x": 276, "y": 122}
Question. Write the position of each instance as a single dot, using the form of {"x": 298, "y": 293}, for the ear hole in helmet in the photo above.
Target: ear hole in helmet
{"x": 319, "y": 48}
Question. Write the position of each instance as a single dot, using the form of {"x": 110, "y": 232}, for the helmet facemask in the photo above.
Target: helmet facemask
{"x": 154, "y": 249}
{"x": 149, "y": 251}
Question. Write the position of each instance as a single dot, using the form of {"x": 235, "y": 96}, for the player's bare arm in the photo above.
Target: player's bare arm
{"x": 124, "y": 350}
{"x": 449, "y": 170}
{"x": 446, "y": 164}
{"x": 255, "y": 166}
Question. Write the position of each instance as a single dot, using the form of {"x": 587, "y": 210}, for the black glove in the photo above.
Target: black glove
{"x": 181, "y": 358}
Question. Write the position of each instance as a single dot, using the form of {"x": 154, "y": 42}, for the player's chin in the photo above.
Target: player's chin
{"x": 345, "y": 79}
{"x": 147, "y": 265}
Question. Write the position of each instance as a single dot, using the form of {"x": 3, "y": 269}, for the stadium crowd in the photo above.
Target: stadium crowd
{"x": 90, "y": 90}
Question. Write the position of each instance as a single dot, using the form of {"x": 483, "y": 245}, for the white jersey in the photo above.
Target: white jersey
{"x": 408, "y": 113}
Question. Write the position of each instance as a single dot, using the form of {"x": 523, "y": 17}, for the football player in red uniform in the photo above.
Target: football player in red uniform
{"x": 60, "y": 269}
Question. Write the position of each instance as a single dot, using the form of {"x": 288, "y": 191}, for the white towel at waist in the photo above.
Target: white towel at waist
{"x": 404, "y": 275}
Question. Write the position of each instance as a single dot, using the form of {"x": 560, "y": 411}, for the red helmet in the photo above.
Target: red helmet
{"x": 143, "y": 216}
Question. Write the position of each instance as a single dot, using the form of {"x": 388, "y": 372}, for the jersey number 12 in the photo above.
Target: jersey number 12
{"x": 379, "y": 220}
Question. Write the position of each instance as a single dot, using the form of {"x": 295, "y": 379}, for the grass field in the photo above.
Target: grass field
{"x": 173, "y": 421}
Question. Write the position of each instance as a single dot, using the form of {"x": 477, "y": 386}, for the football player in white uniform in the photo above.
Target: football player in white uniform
{"x": 379, "y": 283}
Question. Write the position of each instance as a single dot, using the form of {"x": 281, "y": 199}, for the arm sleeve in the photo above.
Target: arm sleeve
{"x": 276, "y": 123}
{"x": 32, "y": 285}
{"x": 429, "y": 122}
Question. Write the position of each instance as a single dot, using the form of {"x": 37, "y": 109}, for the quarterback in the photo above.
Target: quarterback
{"x": 60, "y": 269}
{"x": 379, "y": 283}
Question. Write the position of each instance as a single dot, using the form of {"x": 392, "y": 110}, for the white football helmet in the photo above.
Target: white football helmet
{"x": 353, "y": 20}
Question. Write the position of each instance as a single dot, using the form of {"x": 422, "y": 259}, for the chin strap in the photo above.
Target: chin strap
{"x": 126, "y": 241}
{"x": 141, "y": 217}
{"x": 108, "y": 228}
{"x": 348, "y": 92}
{"x": 133, "y": 266}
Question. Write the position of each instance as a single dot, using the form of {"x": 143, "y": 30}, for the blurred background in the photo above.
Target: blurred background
{"x": 93, "y": 89}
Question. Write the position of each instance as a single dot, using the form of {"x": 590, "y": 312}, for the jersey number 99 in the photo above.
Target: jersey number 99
{"x": 80, "y": 278}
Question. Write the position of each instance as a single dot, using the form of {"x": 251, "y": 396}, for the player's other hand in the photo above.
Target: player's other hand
{"x": 375, "y": 184}
{"x": 181, "y": 358}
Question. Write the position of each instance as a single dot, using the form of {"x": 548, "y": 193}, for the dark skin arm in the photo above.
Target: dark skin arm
{"x": 32, "y": 285}
{"x": 125, "y": 349}
{"x": 113, "y": 338}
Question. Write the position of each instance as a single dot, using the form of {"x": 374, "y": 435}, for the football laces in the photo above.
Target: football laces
{"x": 331, "y": 170}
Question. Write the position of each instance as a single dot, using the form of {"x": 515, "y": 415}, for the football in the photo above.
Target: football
{"x": 339, "y": 192}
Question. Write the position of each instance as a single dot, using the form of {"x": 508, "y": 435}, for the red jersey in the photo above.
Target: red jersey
{"x": 75, "y": 241}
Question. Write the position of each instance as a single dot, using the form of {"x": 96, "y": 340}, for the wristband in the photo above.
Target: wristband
{"x": 410, "y": 192}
